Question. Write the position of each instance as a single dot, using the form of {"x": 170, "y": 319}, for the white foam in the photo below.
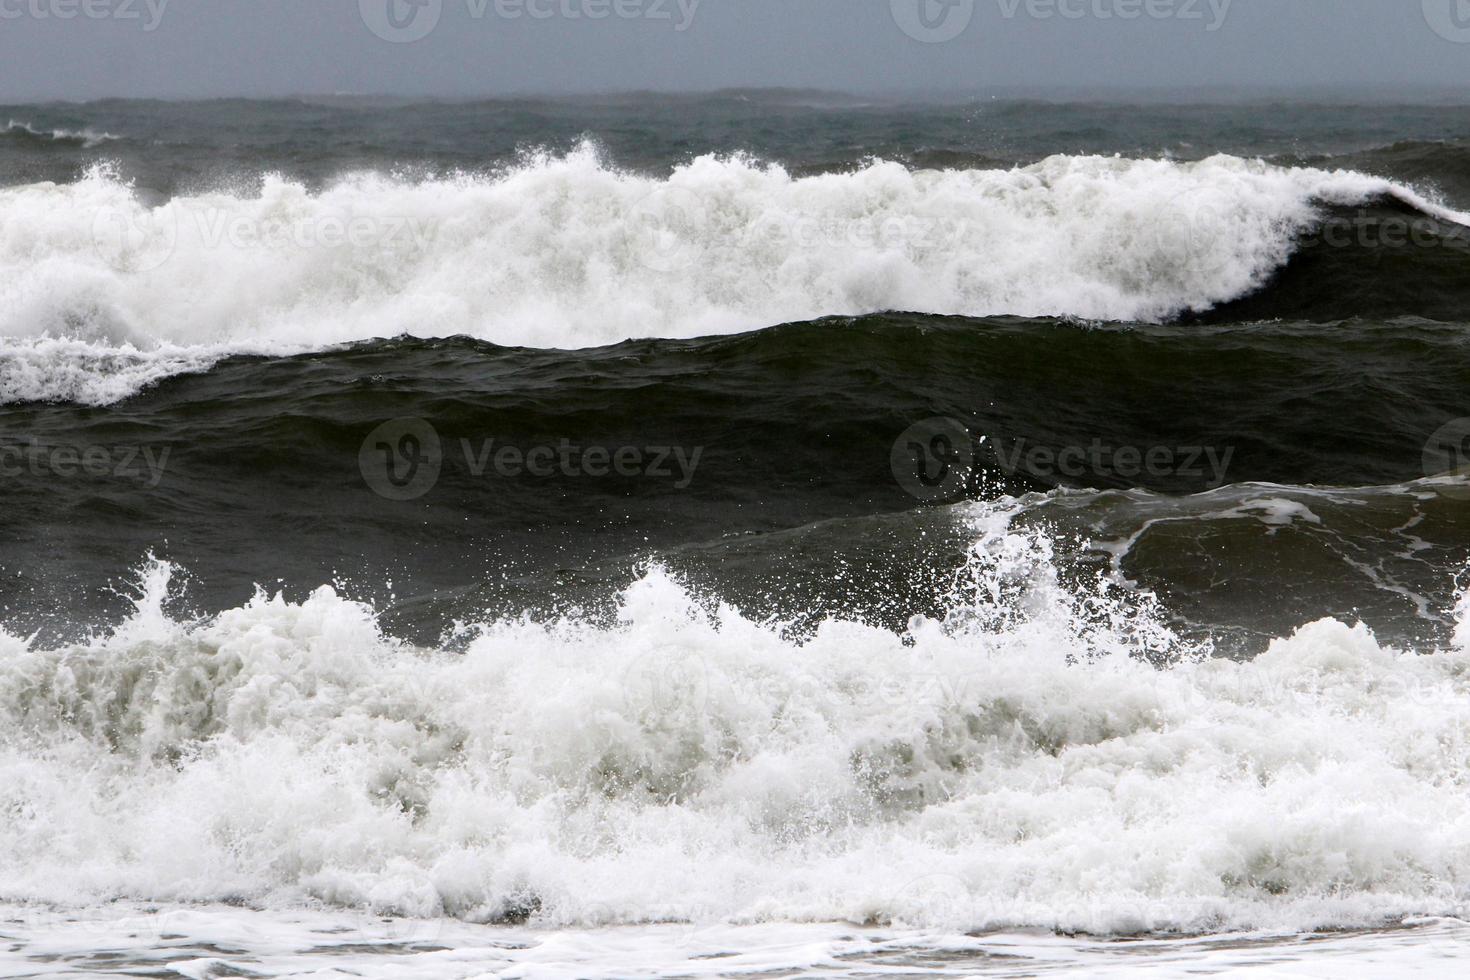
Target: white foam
{"x": 570, "y": 252}
{"x": 1016, "y": 765}
{"x": 208, "y": 942}
{"x": 47, "y": 369}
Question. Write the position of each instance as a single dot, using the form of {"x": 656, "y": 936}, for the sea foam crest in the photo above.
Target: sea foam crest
{"x": 88, "y": 138}
{"x": 571, "y": 252}
{"x": 1036, "y": 765}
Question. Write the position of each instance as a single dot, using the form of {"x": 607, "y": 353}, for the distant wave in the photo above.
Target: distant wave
{"x": 86, "y": 138}
{"x": 570, "y": 252}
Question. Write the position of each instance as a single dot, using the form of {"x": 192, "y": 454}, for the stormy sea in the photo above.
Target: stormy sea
{"x": 758, "y": 534}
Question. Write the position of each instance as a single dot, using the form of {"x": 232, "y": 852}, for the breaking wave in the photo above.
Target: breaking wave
{"x": 85, "y": 138}
{"x": 571, "y": 252}
{"x": 1041, "y": 757}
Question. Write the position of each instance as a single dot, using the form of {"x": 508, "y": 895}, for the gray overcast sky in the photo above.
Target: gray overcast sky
{"x": 199, "y": 48}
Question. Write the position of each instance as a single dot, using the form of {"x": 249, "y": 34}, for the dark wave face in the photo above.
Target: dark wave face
{"x": 762, "y": 463}
{"x": 1383, "y": 259}
{"x": 1230, "y": 337}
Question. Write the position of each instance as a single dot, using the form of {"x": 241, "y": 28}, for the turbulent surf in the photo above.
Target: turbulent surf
{"x": 734, "y": 513}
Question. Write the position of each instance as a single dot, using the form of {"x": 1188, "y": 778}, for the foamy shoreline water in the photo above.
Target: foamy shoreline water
{"x": 206, "y": 942}
{"x": 1021, "y": 765}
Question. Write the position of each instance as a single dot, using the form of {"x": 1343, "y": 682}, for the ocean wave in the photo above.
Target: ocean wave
{"x": 1044, "y": 756}
{"x": 1443, "y": 165}
{"x": 570, "y": 252}
{"x": 69, "y": 370}
{"x": 86, "y": 138}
